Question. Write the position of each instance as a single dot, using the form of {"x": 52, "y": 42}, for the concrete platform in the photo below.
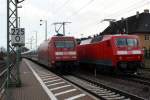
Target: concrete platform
{"x": 41, "y": 84}
{"x": 30, "y": 89}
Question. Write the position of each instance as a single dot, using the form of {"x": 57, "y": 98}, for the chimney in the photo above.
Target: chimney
{"x": 137, "y": 14}
{"x": 146, "y": 11}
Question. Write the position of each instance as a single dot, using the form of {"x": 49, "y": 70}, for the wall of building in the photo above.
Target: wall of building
{"x": 145, "y": 40}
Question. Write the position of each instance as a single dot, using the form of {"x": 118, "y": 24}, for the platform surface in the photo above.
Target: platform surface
{"x": 30, "y": 89}
{"x": 41, "y": 84}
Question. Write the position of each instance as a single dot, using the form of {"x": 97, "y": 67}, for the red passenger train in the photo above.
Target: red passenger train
{"x": 117, "y": 52}
{"x": 58, "y": 51}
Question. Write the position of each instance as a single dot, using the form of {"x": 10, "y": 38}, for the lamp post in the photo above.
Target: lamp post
{"x": 45, "y": 21}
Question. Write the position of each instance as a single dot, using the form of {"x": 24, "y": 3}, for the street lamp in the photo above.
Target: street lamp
{"x": 45, "y": 21}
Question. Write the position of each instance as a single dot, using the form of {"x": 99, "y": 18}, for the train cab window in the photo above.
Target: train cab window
{"x": 132, "y": 42}
{"x": 64, "y": 44}
{"x": 59, "y": 44}
{"x": 69, "y": 44}
{"x": 121, "y": 42}
{"x": 127, "y": 42}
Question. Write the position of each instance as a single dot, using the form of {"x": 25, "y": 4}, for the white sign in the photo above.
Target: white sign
{"x": 18, "y": 36}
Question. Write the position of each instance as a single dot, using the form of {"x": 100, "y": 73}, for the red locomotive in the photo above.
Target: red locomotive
{"x": 117, "y": 52}
{"x": 58, "y": 51}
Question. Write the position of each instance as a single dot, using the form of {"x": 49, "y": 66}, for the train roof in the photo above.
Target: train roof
{"x": 104, "y": 37}
{"x": 54, "y": 38}
{"x": 60, "y": 37}
{"x": 87, "y": 41}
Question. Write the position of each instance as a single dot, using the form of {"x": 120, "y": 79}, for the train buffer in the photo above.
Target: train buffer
{"x": 40, "y": 84}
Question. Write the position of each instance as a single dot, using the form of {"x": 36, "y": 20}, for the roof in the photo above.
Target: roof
{"x": 104, "y": 38}
{"x": 135, "y": 24}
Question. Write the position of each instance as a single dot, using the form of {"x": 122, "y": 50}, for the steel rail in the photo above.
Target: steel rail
{"x": 2, "y": 87}
{"x": 139, "y": 79}
{"x": 98, "y": 84}
{"x": 3, "y": 72}
{"x": 131, "y": 96}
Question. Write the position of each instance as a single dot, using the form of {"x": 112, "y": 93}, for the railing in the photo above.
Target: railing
{"x": 3, "y": 79}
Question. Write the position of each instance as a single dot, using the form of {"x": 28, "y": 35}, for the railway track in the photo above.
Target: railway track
{"x": 3, "y": 70}
{"x": 100, "y": 90}
{"x": 139, "y": 79}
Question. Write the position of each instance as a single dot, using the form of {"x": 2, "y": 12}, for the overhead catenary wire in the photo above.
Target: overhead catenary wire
{"x": 87, "y": 5}
{"x": 97, "y": 22}
{"x": 77, "y": 12}
{"x": 117, "y": 13}
{"x": 83, "y": 7}
{"x": 62, "y": 6}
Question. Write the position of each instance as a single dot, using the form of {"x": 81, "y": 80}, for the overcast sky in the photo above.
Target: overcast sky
{"x": 85, "y": 15}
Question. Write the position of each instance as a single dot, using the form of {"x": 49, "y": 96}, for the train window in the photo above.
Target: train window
{"x": 132, "y": 42}
{"x": 127, "y": 42}
{"x": 69, "y": 44}
{"x": 121, "y": 42}
{"x": 64, "y": 44}
{"x": 59, "y": 44}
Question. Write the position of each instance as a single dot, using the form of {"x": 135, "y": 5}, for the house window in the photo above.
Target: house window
{"x": 147, "y": 37}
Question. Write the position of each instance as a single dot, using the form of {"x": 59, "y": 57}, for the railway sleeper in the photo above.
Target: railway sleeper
{"x": 127, "y": 99}
{"x": 116, "y": 98}
{"x": 97, "y": 89}
{"x": 111, "y": 96}
{"x": 103, "y": 94}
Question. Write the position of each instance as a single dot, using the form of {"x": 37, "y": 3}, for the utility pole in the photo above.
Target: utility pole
{"x": 31, "y": 42}
{"x": 62, "y": 24}
{"x": 13, "y": 79}
{"x": 18, "y": 18}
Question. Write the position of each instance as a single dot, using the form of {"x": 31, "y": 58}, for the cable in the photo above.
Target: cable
{"x": 97, "y": 22}
{"x": 83, "y": 7}
{"x": 62, "y": 6}
{"x": 131, "y": 9}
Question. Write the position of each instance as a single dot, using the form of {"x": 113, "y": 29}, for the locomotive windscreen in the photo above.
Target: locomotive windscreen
{"x": 64, "y": 44}
{"x": 126, "y": 42}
